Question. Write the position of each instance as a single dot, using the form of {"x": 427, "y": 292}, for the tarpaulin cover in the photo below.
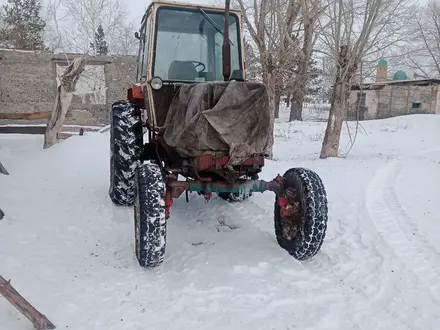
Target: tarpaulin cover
{"x": 231, "y": 118}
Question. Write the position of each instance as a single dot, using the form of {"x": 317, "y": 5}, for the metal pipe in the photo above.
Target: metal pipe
{"x": 251, "y": 186}
{"x": 226, "y": 49}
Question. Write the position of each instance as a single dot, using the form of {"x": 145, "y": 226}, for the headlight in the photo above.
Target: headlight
{"x": 156, "y": 83}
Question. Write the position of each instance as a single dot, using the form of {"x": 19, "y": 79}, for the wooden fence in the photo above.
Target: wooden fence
{"x": 36, "y": 129}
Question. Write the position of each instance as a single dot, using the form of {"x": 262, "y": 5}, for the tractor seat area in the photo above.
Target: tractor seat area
{"x": 182, "y": 70}
{"x": 185, "y": 70}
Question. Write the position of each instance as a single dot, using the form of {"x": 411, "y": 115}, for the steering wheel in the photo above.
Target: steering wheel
{"x": 197, "y": 64}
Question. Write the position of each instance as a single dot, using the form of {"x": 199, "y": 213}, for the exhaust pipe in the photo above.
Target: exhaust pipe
{"x": 226, "y": 49}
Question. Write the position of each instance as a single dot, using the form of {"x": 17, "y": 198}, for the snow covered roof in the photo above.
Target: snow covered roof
{"x": 406, "y": 82}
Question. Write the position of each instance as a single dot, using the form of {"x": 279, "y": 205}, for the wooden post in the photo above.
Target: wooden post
{"x": 39, "y": 115}
{"x": 39, "y": 320}
{"x": 62, "y": 101}
{"x": 3, "y": 169}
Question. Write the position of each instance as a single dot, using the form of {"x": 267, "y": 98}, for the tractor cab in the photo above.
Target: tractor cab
{"x": 182, "y": 43}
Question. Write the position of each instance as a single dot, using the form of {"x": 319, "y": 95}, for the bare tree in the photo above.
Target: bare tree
{"x": 123, "y": 41}
{"x": 350, "y": 31}
{"x": 425, "y": 56}
{"x": 75, "y": 22}
{"x": 310, "y": 14}
{"x": 62, "y": 100}
{"x": 253, "y": 65}
{"x": 52, "y": 33}
{"x": 270, "y": 25}
{"x": 3, "y": 30}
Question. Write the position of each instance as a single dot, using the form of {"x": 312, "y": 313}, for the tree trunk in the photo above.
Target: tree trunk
{"x": 296, "y": 106}
{"x": 63, "y": 99}
{"x": 330, "y": 145}
{"x": 289, "y": 95}
{"x": 299, "y": 90}
{"x": 271, "y": 94}
{"x": 338, "y": 107}
{"x": 277, "y": 103}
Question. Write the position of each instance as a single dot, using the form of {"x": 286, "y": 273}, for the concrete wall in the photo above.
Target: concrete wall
{"x": 437, "y": 109}
{"x": 369, "y": 110}
{"x": 391, "y": 101}
{"x": 28, "y": 83}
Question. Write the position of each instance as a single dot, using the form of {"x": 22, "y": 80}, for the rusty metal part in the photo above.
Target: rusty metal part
{"x": 206, "y": 162}
{"x": 168, "y": 203}
{"x": 291, "y": 212}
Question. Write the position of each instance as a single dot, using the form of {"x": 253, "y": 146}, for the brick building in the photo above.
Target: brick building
{"x": 28, "y": 83}
{"x": 389, "y": 98}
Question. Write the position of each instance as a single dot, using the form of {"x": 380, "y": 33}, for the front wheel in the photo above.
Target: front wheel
{"x": 301, "y": 232}
{"x": 149, "y": 215}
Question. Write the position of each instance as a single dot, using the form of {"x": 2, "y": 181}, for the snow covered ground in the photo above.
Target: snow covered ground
{"x": 69, "y": 251}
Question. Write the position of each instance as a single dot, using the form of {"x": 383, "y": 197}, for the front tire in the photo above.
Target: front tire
{"x": 126, "y": 140}
{"x": 149, "y": 215}
{"x": 302, "y": 233}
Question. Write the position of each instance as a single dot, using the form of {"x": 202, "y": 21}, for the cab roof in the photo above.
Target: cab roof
{"x": 191, "y": 5}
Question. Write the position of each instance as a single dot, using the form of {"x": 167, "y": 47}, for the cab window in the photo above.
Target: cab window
{"x": 189, "y": 44}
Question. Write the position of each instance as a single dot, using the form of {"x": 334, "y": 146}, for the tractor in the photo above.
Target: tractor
{"x": 206, "y": 130}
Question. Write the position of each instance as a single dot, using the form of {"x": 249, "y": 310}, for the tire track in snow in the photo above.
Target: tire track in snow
{"x": 326, "y": 267}
{"x": 359, "y": 290}
{"x": 386, "y": 213}
{"x": 258, "y": 302}
{"x": 429, "y": 251}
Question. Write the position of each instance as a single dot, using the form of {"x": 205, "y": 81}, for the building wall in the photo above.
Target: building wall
{"x": 28, "y": 83}
{"x": 369, "y": 109}
{"x": 391, "y": 101}
{"x": 437, "y": 109}
{"x": 372, "y": 103}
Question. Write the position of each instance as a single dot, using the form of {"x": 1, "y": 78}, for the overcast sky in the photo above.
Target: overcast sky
{"x": 136, "y": 8}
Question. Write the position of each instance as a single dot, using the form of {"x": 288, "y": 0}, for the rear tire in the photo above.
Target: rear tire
{"x": 126, "y": 141}
{"x": 149, "y": 215}
{"x": 303, "y": 233}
